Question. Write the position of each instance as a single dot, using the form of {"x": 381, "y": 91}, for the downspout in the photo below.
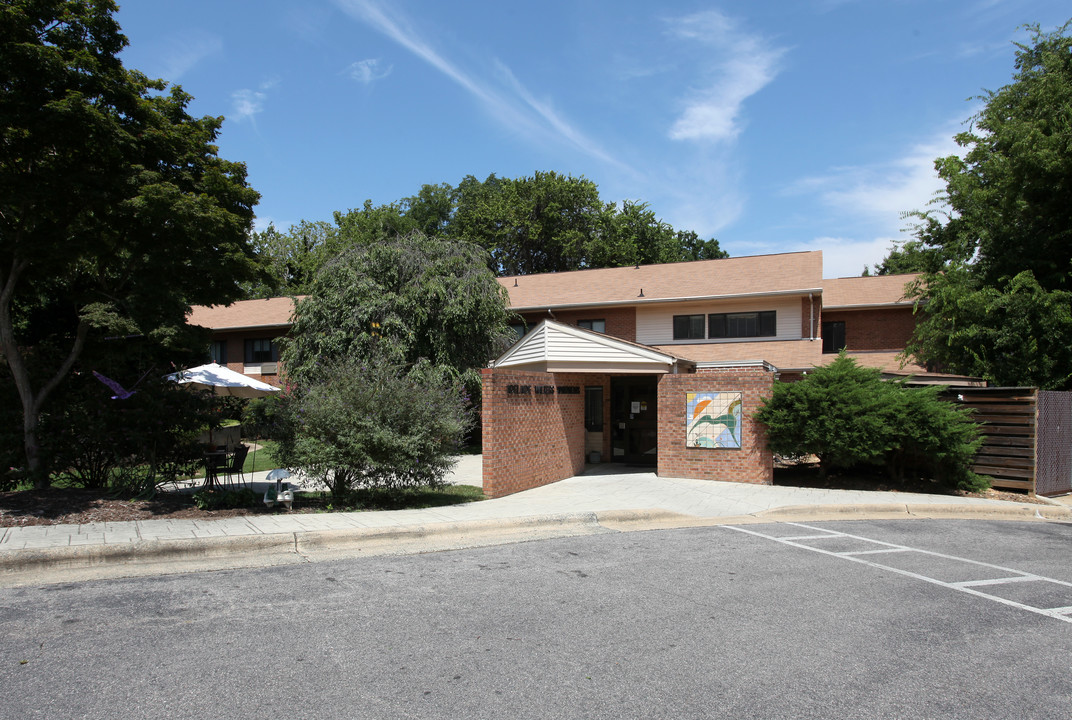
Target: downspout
{"x": 811, "y": 316}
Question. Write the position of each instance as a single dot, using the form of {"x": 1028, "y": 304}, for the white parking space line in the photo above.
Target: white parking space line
{"x": 1008, "y": 575}
{"x": 876, "y": 552}
{"x": 998, "y": 581}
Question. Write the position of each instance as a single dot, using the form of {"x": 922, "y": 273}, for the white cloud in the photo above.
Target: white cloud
{"x": 181, "y": 54}
{"x": 741, "y": 65}
{"x": 869, "y": 202}
{"x": 510, "y": 102}
{"x": 368, "y": 71}
{"x": 248, "y": 103}
{"x": 880, "y": 193}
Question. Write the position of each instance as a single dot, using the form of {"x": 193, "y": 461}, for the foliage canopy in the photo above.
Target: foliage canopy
{"x": 116, "y": 214}
{"x": 848, "y": 416}
{"x": 998, "y": 257}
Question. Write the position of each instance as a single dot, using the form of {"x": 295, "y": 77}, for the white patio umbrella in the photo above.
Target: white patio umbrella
{"x": 222, "y": 381}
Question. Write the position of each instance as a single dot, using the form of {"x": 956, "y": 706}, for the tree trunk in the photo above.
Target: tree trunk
{"x": 31, "y": 402}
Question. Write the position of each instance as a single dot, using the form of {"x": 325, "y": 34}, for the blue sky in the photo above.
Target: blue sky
{"x": 773, "y": 125}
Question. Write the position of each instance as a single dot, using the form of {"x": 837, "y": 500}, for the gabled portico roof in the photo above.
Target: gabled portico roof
{"x": 554, "y": 347}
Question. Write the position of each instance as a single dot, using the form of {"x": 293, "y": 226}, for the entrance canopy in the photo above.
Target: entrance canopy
{"x": 554, "y": 347}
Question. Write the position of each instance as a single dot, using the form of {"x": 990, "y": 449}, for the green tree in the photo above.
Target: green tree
{"x": 529, "y": 225}
{"x": 291, "y": 259}
{"x": 1004, "y": 244}
{"x": 410, "y": 298}
{"x": 116, "y": 214}
{"x": 849, "y": 417}
{"x": 373, "y": 423}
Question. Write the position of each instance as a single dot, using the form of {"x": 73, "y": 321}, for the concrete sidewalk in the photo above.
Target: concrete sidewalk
{"x": 606, "y": 498}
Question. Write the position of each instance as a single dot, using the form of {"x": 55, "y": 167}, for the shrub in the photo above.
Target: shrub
{"x": 224, "y": 499}
{"x": 374, "y": 423}
{"x": 847, "y": 416}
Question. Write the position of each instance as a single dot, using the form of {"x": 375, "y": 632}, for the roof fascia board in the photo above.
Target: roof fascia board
{"x": 871, "y": 306}
{"x": 235, "y": 328}
{"x": 655, "y": 301}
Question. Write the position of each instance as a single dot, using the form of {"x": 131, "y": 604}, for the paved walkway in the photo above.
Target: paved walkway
{"x": 602, "y": 489}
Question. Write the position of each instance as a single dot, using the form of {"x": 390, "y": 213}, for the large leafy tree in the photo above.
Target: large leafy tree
{"x": 999, "y": 258}
{"x": 116, "y": 214}
{"x": 408, "y": 297}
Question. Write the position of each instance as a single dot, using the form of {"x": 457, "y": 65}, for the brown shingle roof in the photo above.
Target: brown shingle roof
{"x": 865, "y": 291}
{"x": 760, "y": 274}
{"x": 270, "y": 312}
{"x": 782, "y": 354}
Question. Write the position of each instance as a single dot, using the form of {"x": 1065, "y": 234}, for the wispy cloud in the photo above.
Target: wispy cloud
{"x": 869, "y": 201}
{"x": 883, "y": 191}
{"x": 182, "y": 53}
{"x": 741, "y": 65}
{"x": 248, "y": 103}
{"x": 368, "y": 71}
{"x": 507, "y": 99}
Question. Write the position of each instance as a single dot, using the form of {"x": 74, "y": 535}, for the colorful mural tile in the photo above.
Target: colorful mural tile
{"x": 713, "y": 420}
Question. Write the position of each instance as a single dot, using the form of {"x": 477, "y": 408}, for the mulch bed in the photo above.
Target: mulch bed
{"x": 57, "y": 506}
{"x": 808, "y": 476}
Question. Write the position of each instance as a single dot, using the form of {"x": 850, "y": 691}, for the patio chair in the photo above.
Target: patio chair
{"x": 234, "y": 466}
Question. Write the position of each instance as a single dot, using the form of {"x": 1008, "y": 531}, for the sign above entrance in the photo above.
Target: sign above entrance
{"x": 543, "y": 390}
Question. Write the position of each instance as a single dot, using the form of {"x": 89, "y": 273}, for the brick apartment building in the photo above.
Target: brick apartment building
{"x": 657, "y": 365}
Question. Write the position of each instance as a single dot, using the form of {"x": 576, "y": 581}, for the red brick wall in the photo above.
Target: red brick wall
{"x": 752, "y": 463}
{"x": 886, "y": 329}
{"x": 531, "y": 439}
{"x": 236, "y": 350}
{"x": 621, "y": 322}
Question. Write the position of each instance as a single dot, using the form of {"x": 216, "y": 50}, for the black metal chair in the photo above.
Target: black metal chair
{"x": 235, "y": 464}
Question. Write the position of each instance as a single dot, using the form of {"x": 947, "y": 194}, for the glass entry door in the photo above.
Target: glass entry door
{"x": 634, "y": 420}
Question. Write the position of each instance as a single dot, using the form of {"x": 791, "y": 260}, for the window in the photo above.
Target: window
{"x": 593, "y": 408}
{"x": 261, "y": 350}
{"x": 218, "y": 351}
{"x": 739, "y": 325}
{"x": 688, "y": 327}
{"x": 833, "y": 336}
{"x": 520, "y": 329}
{"x": 599, "y": 326}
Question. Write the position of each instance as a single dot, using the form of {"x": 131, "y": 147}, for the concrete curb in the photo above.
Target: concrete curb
{"x": 152, "y": 557}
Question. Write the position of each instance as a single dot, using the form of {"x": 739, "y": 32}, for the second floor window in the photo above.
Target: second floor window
{"x": 218, "y": 351}
{"x": 596, "y": 325}
{"x": 745, "y": 324}
{"x": 688, "y": 327}
{"x": 261, "y": 350}
{"x": 833, "y": 336}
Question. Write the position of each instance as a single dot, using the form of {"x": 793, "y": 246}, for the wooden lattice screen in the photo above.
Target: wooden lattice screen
{"x": 1027, "y": 437}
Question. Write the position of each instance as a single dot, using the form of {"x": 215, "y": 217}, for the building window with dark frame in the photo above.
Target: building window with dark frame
{"x": 688, "y": 327}
{"x": 599, "y": 326}
{"x": 742, "y": 324}
{"x": 593, "y": 408}
{"x": 261, "y": 350}
{"x": 218, "y": 351}
{"x": 833, "y": 336}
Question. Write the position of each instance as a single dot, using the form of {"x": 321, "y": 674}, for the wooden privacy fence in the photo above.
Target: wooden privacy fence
{"x": 1027, "y": 441}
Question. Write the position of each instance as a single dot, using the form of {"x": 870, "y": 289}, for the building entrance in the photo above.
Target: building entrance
{"x": 634, "y": 419}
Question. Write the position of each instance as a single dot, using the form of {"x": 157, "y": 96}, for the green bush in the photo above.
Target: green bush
{"x": 848, "y": 417}
{"x": 224, "y": 499}
{"x": 374, "y": 423}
